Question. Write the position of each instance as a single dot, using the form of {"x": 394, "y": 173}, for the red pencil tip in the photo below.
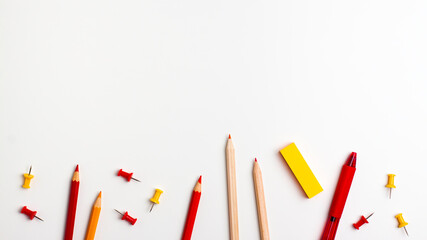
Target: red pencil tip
{"x": 200, "y": 179}
{"x": 256, "y": 160}
{"x": 77, "y": 168}
{"x": 229, "y": 136}
{"x": 351, "y": 161}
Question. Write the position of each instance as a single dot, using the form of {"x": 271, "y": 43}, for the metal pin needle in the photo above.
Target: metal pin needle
{"x": 406, "y": 231}
{"x": 118, "y": 211}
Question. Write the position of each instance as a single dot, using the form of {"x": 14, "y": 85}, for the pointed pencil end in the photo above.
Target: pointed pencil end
{"x": 77, "y": 168}
{"x": 229, "y": 136}
{"x": 200, "y": 179}
{"x": 100, "y": 194}
{"x": 256, "y": 160}
{"x": 351, "y": 161}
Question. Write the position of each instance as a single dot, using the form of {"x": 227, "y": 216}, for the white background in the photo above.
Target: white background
{"x": 155, "y": 87}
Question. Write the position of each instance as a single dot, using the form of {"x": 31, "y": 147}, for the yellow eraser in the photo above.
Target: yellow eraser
{"x": 301, "y": 170}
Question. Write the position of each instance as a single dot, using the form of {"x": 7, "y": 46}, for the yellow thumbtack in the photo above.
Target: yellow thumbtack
{"x": 402, "y": 222}
{"x": 390, "y": 183}
{"x": 27, "y": 178}
{"x": 155, "y": 198}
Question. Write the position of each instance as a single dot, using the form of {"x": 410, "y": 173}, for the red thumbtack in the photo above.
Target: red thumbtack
{"x": 127, "y": 176}
{"x": 127, "y": 217}
{"x": 361, "y": 221}
{"x": 29, "y": 213}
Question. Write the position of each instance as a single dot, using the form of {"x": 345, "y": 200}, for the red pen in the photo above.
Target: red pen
{"x": 340, "y": 197}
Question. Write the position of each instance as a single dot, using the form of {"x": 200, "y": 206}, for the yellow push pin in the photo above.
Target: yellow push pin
{"x": 402, "y": 222}
{"x": 27, "y": 178}
{"x": 390, "y": 183}
{"x": 155, "y": 198}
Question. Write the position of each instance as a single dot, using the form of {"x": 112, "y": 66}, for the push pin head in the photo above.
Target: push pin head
{"x": 390, "y": 183}
{"x": 127, "y": 176}
{"x": 155, "y": 198}
{"x": 27, "y": 178}
{"x": 127, "y": 217}
{"x": 401, "y": 222}
{"x": 362, "y": 221}
{"x": 31, "y": 214}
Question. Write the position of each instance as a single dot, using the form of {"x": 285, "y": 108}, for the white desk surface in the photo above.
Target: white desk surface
{"x": 155, "y": 87}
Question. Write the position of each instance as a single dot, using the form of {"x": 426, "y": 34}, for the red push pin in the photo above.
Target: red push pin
{"x": 361, "y": 221}
{"x": 127, "y": 176}
{"x": 127, "y": 217}
{"x": 30, "y": 214}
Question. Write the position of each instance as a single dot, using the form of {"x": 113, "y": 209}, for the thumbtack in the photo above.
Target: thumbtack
{"x": 27, "y": 178}
{"x": 362, "y": 221}
{"x": 29, "y": 213}
{"x": 127, "y": 176}
{"x": 402, "y": 222}
{"x": 127, "y": 217}
{"x": 390, "y": 183}
{"x": 155, "y": 198}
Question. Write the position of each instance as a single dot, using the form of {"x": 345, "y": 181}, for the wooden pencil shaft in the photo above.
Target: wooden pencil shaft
{"x": 232, "y": 191}
{"x": 260, "y": 199}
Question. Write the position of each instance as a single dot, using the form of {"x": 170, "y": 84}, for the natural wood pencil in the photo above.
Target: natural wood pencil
{"x": 192, "y": 210}
{"x": 232, "y": 192}
{"x": 260, "y": 200}
{"x": 72, "y": 205}
{"x": 94, "y": 216}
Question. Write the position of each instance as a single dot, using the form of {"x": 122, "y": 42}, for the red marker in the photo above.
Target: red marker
{"x": 340, "y": 197}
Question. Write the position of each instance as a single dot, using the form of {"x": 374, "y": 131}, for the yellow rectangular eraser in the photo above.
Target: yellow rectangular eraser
{"x": 301, "y": 170}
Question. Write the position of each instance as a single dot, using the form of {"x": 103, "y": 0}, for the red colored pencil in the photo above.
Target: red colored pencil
{"x": 72, "y": 205}
{"x": 192, "y": 210}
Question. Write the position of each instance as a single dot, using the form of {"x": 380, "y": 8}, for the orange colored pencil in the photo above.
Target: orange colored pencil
{"x": 94, "y": 216}
{"x": 72, "y": 205}
{"x": 192, "y": 210}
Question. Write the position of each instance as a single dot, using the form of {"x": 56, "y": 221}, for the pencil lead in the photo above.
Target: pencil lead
{"x": 77, "y": 168}
{"x": 256, "y": 160}
{"x": 100, "y": 194}
{"x": 200, "y": 179}
{"x": 229, "y": 136}
{"x": 351, "y": 161}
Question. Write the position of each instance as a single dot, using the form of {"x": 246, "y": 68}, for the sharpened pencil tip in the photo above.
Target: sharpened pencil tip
{"x": 100, "y": 194}
{"x": 256, "y": 160}
{"x": 229, "y": 136}
{"x": 200, "y": 179}
{"x": 77, "y": 168}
